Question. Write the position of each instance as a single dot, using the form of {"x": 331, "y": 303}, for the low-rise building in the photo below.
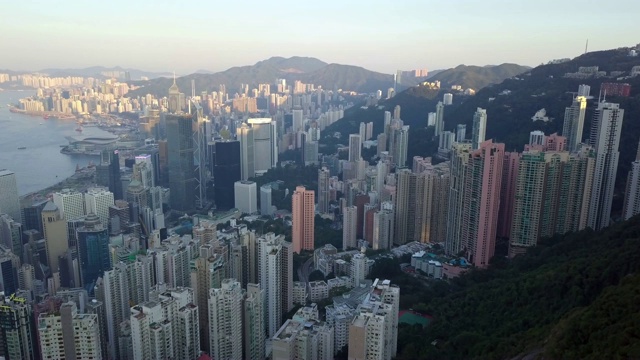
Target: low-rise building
{"x": 318, "y": 290}
{"x": 299, "y": 292}
{"x": 341, "y": 281}
{"x": 304, "y": 338}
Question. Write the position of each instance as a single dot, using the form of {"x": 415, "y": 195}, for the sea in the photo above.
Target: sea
{"x": 41, "y": 164}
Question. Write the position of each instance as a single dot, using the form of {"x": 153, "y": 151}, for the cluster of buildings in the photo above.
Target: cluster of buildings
{"x": 479, "y": 192}
{"x": 99, "y": 273}
{"x": 221, "y": 293}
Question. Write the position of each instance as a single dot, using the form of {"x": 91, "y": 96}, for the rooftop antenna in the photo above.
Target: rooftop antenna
{"x": 174, "y": 76}
{"x": 586, "y": 46}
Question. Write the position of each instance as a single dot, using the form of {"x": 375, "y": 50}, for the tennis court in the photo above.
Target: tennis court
{"x": 412, "y": 317}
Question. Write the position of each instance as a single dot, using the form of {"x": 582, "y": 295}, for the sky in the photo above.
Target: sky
{"x": 379, "y": 35}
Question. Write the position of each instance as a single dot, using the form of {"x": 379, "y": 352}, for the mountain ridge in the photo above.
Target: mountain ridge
{"x": 306, "y": 69}
{"x": 478, "y": 77}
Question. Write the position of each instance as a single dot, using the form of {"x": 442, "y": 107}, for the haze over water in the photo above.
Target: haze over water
{"x": 41, "y": 164}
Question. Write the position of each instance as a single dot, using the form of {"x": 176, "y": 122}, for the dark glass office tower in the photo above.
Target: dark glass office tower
{"x": 180, "y": 151}
{"x": 8, "y": 275}
{"x": 93, "y": 251}
{"x": 226, "y": 173}
{"x": 32, "y": 216}
{"x": 108, "y": 173}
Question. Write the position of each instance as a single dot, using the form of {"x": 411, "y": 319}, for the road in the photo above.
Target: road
{"x": 304, "y": 271}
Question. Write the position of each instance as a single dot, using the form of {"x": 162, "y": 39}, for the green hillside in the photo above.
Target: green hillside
{"x": 572, "y": 297}
{"x": 509, "y": 116}
{"x": 477, "y": 77}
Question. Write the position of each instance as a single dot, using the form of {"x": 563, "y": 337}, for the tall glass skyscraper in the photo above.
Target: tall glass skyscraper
{"x": 180, "y": 146}
{"x": 108, "y": 173}
{"x": 226, "y": 173}
{"x": 9, "y": 201}
{"x": 93, "y": 251}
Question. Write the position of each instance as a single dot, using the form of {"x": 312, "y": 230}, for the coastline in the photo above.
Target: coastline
{"x": 46, "y": 114}
{"x": 81, "y": 180}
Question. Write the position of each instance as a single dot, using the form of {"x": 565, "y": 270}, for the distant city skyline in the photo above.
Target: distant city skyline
{"x": 380, "y": 36}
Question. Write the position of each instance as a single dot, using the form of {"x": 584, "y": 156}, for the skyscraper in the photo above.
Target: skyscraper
{"x": 69, "y": 334}
{"x": 405, "y": 208}
{"x": 323, "y": 190}
{"x": 396, "y": 112}
{"x": 355, "y": 147}
{"x": 11, "y": 234}
{"x": 108, "y": 173}
{"x": 244, "y": 134}
{"x": 552, "y": 191}
{"x": 226, "y": 173}
{"x": 17, "y": 340}
{"x": 9, "y": 264}
{"x": 298, "y": 119}
{"x": 174, "y": 98}
{"x": 574, "y": 122}
{"x": 182, "y": 175}
{"x": 70, "y": 203}
{"x": 98, "y": 201}
{"x": 147, "y": 171}
{"x": 373, "y": 332}
{"x": 254, "y": 335}
{"x": 275, "y": 278}
{"x": 349, "y": 225}
{"x": 439, "y": 127}
{"x": 265, "y": 200}
{"x": 225, "y": 320}
{"x": 265, "y": 140}
{"x": 9, "y": 199}
{"x": 93, "y": 251}
{"x": 632, "y": 193}
{"x": 165, "y": 327}
{"x": 362, "y": 131}
{"x": 400, "y": 145}
{"x": 479, "y": 128}
{"x": 432, "y": 195}
{"x": 55, "y": 234}
{"x": 246, "y": 196}
{"x": 461, "y": 132}
{"x": 508, "y": 193}
{"x": 383, "y": 227}
{"x": 536, "y": 138}
{"x": 113, "y": 291}
{"x": 525, "y": 228}
{"x": 605, "y": 139}
{"x": 474, "y": 201}
{"x": 303, "y": 214}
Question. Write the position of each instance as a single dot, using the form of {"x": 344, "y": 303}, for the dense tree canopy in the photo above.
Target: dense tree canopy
{"x": 572, "y": 297}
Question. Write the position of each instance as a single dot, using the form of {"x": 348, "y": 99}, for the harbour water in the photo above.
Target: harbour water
{"x": 40, "y": 164}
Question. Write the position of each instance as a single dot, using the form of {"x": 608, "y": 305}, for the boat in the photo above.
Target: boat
{"x": 22, "y": 147}
{"x": 46, "y": 117}
{"x": 79, "y": 129}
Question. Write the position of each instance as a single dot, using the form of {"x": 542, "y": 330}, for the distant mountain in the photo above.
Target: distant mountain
{"x": 305, "y": 69}
{"x": 101, "y": 71}
{"x": 477, "y": 77}
{"x": 348, "y": 77}
{"x": 433, "y": 73}
{"x": 295, "y": 64}
{"x": 511, "y": 104}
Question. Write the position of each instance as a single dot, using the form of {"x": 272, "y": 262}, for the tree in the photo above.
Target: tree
{"x": 316, "y": 275}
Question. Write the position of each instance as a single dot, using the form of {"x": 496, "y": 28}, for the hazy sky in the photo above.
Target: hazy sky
{"x": 379, "y": 35}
